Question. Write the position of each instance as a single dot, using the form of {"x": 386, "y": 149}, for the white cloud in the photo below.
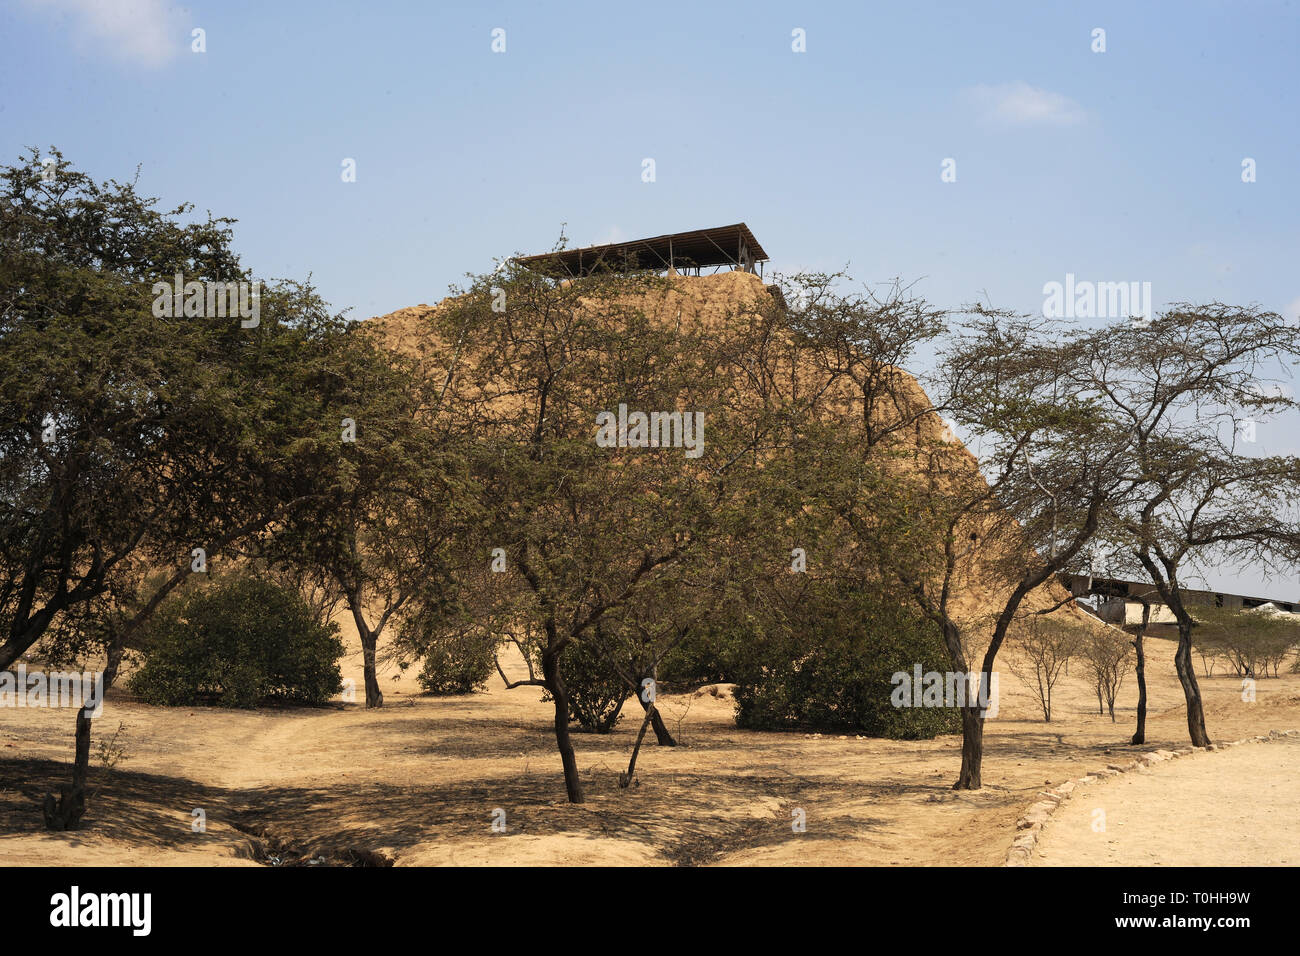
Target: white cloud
{"x": 1019, "y": 104}
{"x": 1292, "y": 310}
{"x": 145, "y": 32}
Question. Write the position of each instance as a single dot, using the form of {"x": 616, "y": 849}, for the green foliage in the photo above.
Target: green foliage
{"x": 596, "y": 692}
{"x": 457, "y": 648}
{"x": 457, "y": 664}
{"x": 127, "y": 438}
{"x": 831, "y": 669}
{"x": 707, "y": 656}
{"x": 238, "y": 642}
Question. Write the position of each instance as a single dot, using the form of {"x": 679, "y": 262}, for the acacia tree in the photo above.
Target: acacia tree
{"x": 1179, "y": 386}
{"x": 641, "y": 634}
{"x": 1254, "y": 641}
{"x": 134, "y": 449}
{"x": 577, "y": 528}
{"x": 943, "y": 523}
{"x": 125, "y": 437}
{"x": 378, "y": 531}
{"x": 587, "y": 528}
{"x": 855, "y": 346}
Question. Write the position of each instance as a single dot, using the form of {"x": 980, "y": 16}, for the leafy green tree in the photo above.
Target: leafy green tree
{"x": 1180, "y": 386}
{"x": 379, "y": 531}
{"x": 832, "y": 665}
{"x": 582, "y": 529}
{"x": 136, "y": 445}
{"x": 1254, "y": 642}
{"x": 457, "y": 647}
{"x": 124, "y": 436}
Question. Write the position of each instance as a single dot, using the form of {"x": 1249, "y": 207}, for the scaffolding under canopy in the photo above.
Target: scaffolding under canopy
{"x": 730, "y": 246}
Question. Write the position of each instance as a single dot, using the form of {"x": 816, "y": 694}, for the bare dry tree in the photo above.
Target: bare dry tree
{"x": 1043, "y": 645}
{"x": 1107, "y": 655}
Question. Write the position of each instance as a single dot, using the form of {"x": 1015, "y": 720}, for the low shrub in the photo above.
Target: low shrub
{"x": 457, "y": 664}
{"x": 238, "y": 642}
{"x": 596, "y": 691}
{"x": 832, "y": 669}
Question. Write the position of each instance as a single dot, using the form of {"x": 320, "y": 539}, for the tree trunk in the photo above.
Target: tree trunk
{"x": 662, "y": 737}
{"x": 1140, "y": 733}
{"x": 374, "y": 696}
{"x": 972, "y": 724}
{"x": 560, "y": 696}
{"x": 369, "y": 640}
{"x": 1187, "y": 676}
{"x": 66, "y": 814}
{"x": 972, "y": 749}
{"x": 625, "y": 779}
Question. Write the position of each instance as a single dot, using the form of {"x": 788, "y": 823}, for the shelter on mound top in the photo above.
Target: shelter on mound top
{"x": 732, "y": 247}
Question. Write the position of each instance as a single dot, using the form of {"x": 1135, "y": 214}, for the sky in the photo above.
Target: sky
{"x": 976, "y": 151}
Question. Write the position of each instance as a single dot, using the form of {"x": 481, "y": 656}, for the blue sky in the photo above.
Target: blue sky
{"x": 1117, "y": 166}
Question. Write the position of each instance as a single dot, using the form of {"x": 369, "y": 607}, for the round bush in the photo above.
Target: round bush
{"x": 459, "y": 664}
{"x": 596, "y": 692}
{"x": 238, "y": 642}
{"x": 833, "y": 671}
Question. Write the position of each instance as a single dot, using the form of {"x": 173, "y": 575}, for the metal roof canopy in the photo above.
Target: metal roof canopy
{"x": 733, "y": 246}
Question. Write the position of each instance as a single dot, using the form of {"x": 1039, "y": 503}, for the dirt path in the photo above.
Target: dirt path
{"x": 1232, "y": 808}
{"x": 421, "y": 780}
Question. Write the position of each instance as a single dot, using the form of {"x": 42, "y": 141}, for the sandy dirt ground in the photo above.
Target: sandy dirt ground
{"x": 1234, "y": 808}
{"x": 421, "y": 781}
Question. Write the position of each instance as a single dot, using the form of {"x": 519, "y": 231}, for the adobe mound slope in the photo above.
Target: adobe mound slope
{"x": 708, "y": 301}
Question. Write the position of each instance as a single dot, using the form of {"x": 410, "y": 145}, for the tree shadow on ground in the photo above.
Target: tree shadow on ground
{"x": 121, "y": 805}
{"x": 682, "y": 818}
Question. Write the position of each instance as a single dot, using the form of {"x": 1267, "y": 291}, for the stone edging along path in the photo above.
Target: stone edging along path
{"x": 1029, "y": 826}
